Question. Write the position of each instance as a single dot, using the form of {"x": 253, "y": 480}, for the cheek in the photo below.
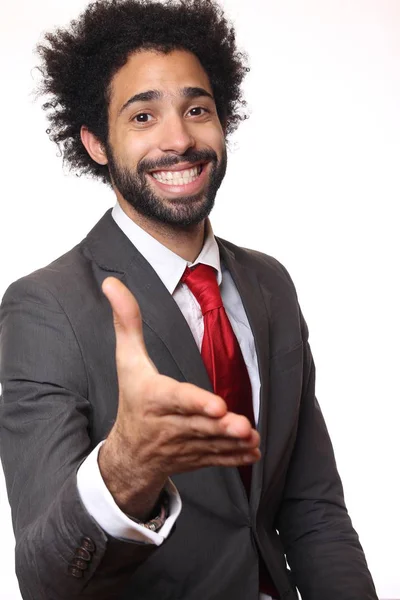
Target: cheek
{"x": 144, "y": 144}
{"x": 213, "y": 138}
{"x": 131, "y": 149}
{"x": 220, "y": 147}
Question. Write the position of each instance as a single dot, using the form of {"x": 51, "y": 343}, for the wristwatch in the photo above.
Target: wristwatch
{"x": 161, "y": 510}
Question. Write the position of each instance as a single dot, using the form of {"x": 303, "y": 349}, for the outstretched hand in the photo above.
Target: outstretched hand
{"x": 163, "y": 426}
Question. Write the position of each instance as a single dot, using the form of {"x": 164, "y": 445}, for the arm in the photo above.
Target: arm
{"x": 322, "y": 548}
{"x": 45, "y": 415}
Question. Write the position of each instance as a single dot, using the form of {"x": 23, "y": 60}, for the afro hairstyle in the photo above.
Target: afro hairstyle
{"x": 79, "y": 62}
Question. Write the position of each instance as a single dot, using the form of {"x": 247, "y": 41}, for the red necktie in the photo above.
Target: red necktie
{"x": 220, "y": 349}
{"x": 225, "y": 366}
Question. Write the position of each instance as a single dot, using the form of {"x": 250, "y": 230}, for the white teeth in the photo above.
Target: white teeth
{"x": 177, "y": 177}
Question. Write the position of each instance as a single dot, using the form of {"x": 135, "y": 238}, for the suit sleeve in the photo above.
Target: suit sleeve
{"x": 322, "y": 548}
{"x": 61, "y": 552}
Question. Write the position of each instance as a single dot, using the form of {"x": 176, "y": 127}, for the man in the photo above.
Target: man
{"x": 197, "y": 461}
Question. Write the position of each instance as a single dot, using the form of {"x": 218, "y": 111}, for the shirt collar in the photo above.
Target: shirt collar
{"x": 168, "y": 265}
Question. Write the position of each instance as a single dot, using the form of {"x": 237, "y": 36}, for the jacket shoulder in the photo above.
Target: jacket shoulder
{"x": 63, "y": 276}
{"x": 268, "y": 268}
{"x": 70, "y": 275}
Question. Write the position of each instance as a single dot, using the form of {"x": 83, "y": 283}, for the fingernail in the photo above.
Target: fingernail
{"x": 232, "y": 431}
{"x": 248, "y": 458}
{"x": 243, "y": 443}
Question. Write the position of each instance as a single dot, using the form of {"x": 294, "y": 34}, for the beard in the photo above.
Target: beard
{"x": 179, "y": 212}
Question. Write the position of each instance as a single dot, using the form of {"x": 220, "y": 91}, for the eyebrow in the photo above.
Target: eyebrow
{"x": 151, "y": 95}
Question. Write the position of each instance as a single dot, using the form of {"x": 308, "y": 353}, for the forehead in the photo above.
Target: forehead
{"x": 151, "y": 70}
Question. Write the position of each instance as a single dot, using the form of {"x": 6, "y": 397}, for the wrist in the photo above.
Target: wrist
{"x": 134, "y": 491}
{"x": 158, "y": 516}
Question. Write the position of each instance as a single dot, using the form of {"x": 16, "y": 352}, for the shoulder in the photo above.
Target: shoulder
{"x": 54, "y": 284}
{"x": 70, "y": 278}
{"x": 268, "y": 268}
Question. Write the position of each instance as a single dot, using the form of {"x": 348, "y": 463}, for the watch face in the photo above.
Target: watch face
{"x": 162, "y": 508}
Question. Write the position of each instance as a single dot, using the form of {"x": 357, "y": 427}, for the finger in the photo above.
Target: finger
{"x": 200, "y": 427}
{"x": 231, "y": 459}
{"x": 213, "y": 445}
{"x": 171, "y": 397}
{"x": 127, "y": 321}
{"x": 126, "y": 311}
{"x": 237, "y": 425}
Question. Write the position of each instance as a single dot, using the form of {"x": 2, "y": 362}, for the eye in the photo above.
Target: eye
{"x": 198, "y": 111}
{"x": 142, "y": 118}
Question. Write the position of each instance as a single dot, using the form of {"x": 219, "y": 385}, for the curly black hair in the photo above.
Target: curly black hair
{"x": 79, "y": 62}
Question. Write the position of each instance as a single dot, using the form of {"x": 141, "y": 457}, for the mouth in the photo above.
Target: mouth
{"x": 181, "y": 179}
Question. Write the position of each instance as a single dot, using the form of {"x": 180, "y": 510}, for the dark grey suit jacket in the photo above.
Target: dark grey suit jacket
{"x": 60, "y": 399}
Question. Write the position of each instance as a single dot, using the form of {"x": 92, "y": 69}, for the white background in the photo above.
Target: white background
{"x": 313, "y": 179}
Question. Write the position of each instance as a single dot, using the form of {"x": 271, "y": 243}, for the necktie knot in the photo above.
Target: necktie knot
{"x": 202, "y": 282}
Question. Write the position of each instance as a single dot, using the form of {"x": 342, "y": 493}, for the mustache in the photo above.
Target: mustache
{"x": 190, "y": 156}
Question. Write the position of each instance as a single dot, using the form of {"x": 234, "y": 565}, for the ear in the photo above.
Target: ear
{"x": 93, "y": 146}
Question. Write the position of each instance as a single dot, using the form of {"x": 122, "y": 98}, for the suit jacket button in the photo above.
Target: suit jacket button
{"x": 88, "y": 544}
{"x": 83, "y": 554}
{"x": 79, "y": 563}
{"x": 75, "y": 572}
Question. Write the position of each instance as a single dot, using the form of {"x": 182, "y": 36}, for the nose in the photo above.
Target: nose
{"x": 176, "y": 135}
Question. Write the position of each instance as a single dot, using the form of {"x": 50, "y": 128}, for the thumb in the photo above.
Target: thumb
{"x": 127, "y": 321}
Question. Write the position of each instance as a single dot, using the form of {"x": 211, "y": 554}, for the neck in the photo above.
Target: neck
{"x": 186, "y": 243}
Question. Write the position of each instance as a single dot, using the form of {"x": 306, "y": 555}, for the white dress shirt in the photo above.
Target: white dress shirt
{"x": 169, "y": 267}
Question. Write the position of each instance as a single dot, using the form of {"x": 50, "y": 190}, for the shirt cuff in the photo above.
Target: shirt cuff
{"x": 100, "y": 504}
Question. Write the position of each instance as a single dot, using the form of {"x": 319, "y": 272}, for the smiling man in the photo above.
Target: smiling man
{"x": 160, "y": 436}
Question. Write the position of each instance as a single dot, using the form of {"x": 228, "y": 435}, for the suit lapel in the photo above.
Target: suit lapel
{"x": 117, "y": 256}
{"x": 254, "y": 303}
{"x": 163, "y": 316}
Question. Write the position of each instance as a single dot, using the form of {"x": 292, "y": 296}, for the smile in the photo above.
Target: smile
{"x": 177, "y": 178}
